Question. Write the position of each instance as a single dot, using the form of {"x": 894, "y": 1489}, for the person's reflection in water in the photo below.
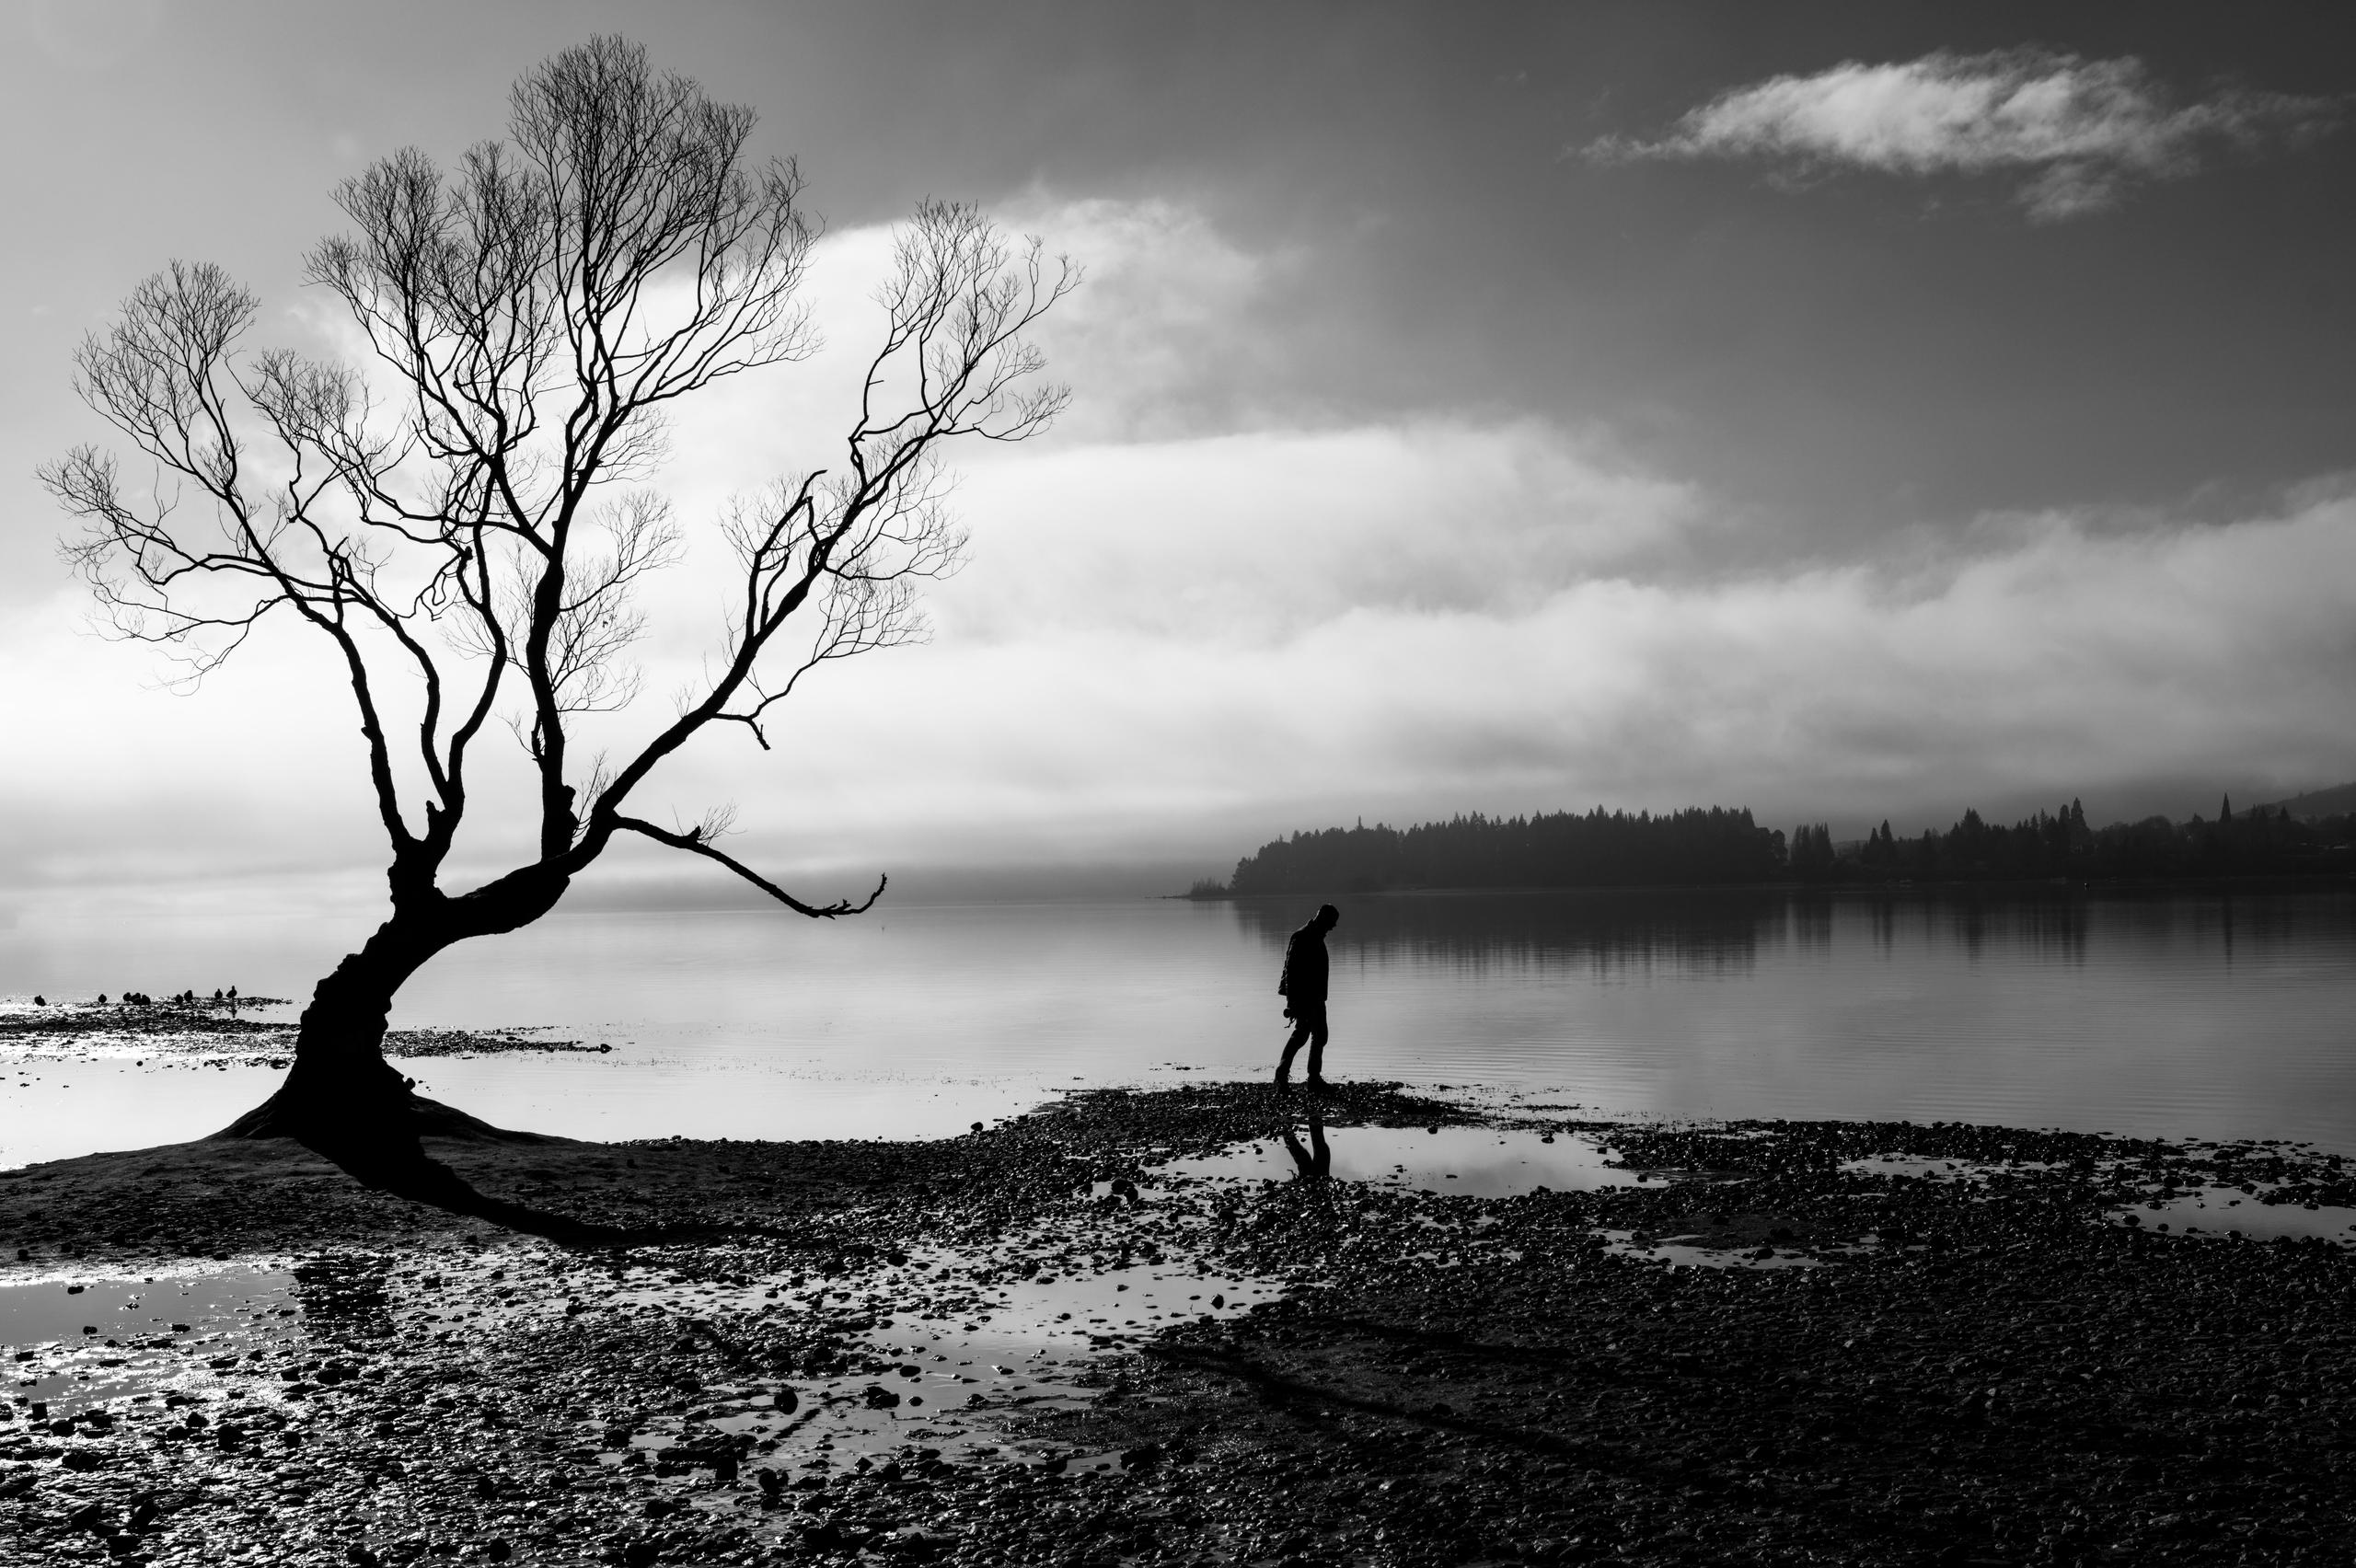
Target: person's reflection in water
{"x": 1314, "y": 1163}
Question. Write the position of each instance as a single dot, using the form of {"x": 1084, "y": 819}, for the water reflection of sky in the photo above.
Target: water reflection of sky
{"x": 1472, "y": 1162}
{"x": 2170, "y": 1014}
{"x": 80, "y": 1341}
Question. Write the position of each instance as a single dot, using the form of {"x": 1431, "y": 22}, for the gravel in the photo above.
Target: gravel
{"x": 1955, "y": 1352}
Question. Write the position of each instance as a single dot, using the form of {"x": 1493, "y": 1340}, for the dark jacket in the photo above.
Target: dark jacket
{"x": 1303, "y": 981}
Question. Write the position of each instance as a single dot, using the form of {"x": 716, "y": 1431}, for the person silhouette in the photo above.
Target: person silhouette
{"x": 1303, "y": 985}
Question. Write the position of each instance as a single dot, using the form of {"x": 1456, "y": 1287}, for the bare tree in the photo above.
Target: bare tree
{"x": 467, "y": 546}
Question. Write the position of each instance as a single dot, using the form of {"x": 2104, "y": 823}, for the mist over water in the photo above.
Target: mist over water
{"x": 2177, "y": 1014}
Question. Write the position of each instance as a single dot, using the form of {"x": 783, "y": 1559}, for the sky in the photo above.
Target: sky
{"x": 1854, "y": 412}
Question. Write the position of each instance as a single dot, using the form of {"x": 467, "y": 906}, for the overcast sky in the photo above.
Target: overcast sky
{"x": 1847, "y": 411}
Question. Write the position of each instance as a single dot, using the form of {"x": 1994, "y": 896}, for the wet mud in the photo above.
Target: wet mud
{"x": 1197, "y": 1326}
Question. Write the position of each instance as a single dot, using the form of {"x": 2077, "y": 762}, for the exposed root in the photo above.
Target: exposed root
{"x": 307, "y": 1124}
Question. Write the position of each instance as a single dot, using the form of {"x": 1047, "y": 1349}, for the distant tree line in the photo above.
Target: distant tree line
{"x": 1559, "y": 849}
{"x": 1717, "y": 845}
{"x": 2049, "y": 844}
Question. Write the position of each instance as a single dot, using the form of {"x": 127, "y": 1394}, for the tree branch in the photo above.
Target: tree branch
{"x": 696, "y": 843}
{"x": 540, "y": 306}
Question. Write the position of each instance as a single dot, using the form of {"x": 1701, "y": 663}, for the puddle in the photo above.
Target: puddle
{"x": 967, "y": 1343}
{"x": 72, "y": 1343}
{"x": 2221, "y": 1212}
{"x": 1938, "y": 1169}
{"x": 1028, "y": 1345}
{"x": 1479, "y": 1162}
{"x": 1681, "y": 1251}
{"x": 961, "y": 1338}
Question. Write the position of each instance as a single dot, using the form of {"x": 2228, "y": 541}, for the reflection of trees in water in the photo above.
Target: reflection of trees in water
{"x": 1810, "y": 921}
{"x": 1603, "y": 930}
{"x": 2226, "y": 917}
{"x": 1723, "y": 931}
{"x": 2062, "y": 923}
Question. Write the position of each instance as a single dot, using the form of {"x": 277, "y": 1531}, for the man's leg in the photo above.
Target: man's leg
{"x": 1315, "y": 1024}
{"x": 1284, "y": 1063}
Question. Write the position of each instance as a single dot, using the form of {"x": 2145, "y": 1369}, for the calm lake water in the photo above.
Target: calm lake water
{"x": 2203, "y": 1014}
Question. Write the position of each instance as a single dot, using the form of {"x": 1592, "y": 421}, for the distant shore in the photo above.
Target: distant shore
{"x": 1964, "y": 1364}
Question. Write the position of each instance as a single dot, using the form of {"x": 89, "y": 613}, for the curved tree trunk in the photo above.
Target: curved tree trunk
{"x": 342, "y": 1099}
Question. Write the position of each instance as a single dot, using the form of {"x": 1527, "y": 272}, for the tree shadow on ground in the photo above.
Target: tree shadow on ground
{"x": 391, "y": 1159}
{"x": 1662, "y": 1458}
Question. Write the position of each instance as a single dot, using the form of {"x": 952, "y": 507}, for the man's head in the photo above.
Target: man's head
{"x": 1327, "y": 918}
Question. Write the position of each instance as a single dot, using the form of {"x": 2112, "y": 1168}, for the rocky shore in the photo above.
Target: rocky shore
{"x": 254, "y": 1031}
{"x": 1877, "y": 1344}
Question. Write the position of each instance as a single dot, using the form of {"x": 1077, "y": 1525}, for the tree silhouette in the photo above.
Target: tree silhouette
{"x": 469, "y": 545}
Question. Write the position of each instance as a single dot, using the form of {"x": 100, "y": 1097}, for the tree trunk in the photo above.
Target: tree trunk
{"x": 341, "y": 1098}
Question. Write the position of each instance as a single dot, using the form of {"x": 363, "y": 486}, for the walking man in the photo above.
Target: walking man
{"x": 1303, "y": 985}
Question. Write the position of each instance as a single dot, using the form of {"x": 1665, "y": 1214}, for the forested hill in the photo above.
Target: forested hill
{"x": 1599, "y": 849}
{"x": 1713, "y": 844}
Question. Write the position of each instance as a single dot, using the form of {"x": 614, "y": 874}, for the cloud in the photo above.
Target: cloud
{"x": 1258, "y": 536}
{"x": 1176, "y": 639}
{"x": 2077, "y": 132}
{"x": 1112, "y": 682}
{"x": 2061, "y": 659}
{"x": 1167, "y": 335}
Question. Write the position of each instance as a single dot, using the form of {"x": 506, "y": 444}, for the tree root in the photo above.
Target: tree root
{"x": 275, "y": 1118}
{"x": 385, "y": 1153}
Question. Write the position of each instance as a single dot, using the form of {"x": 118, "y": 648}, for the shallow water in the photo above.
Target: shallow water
{"x": 1682, "y": 1253}
{"x": 2212, "y": 1014}
{"x": 75, "y": 1342}
{"x": 2229, "y": 1214}
{"x": 1009, "y": 1345}
{"x": 1477, "y": 1162}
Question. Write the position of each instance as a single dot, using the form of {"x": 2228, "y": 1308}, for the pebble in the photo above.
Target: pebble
{"x": 1996, "y": 1349}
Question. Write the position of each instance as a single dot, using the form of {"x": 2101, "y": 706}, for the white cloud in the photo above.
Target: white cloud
{"x": 1262, "y": 536}
{"x": 2066, "y": 663}
{"x": 1166, "y": 334}
{"x": 2077, "y": 131}
{"x": 1083, "y": 712}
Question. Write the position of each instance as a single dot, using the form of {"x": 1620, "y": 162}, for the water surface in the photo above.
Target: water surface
{"x": 2215, "y": 1014}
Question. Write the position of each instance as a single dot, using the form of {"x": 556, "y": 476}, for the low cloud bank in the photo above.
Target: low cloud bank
{"x": 2066, "y": 663}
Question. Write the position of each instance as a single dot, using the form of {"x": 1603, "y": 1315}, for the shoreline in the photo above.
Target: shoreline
{"x": 1933, "y": 1365}
{"x": 2009, "y": 887}
{"x": 212, "y": 1030}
